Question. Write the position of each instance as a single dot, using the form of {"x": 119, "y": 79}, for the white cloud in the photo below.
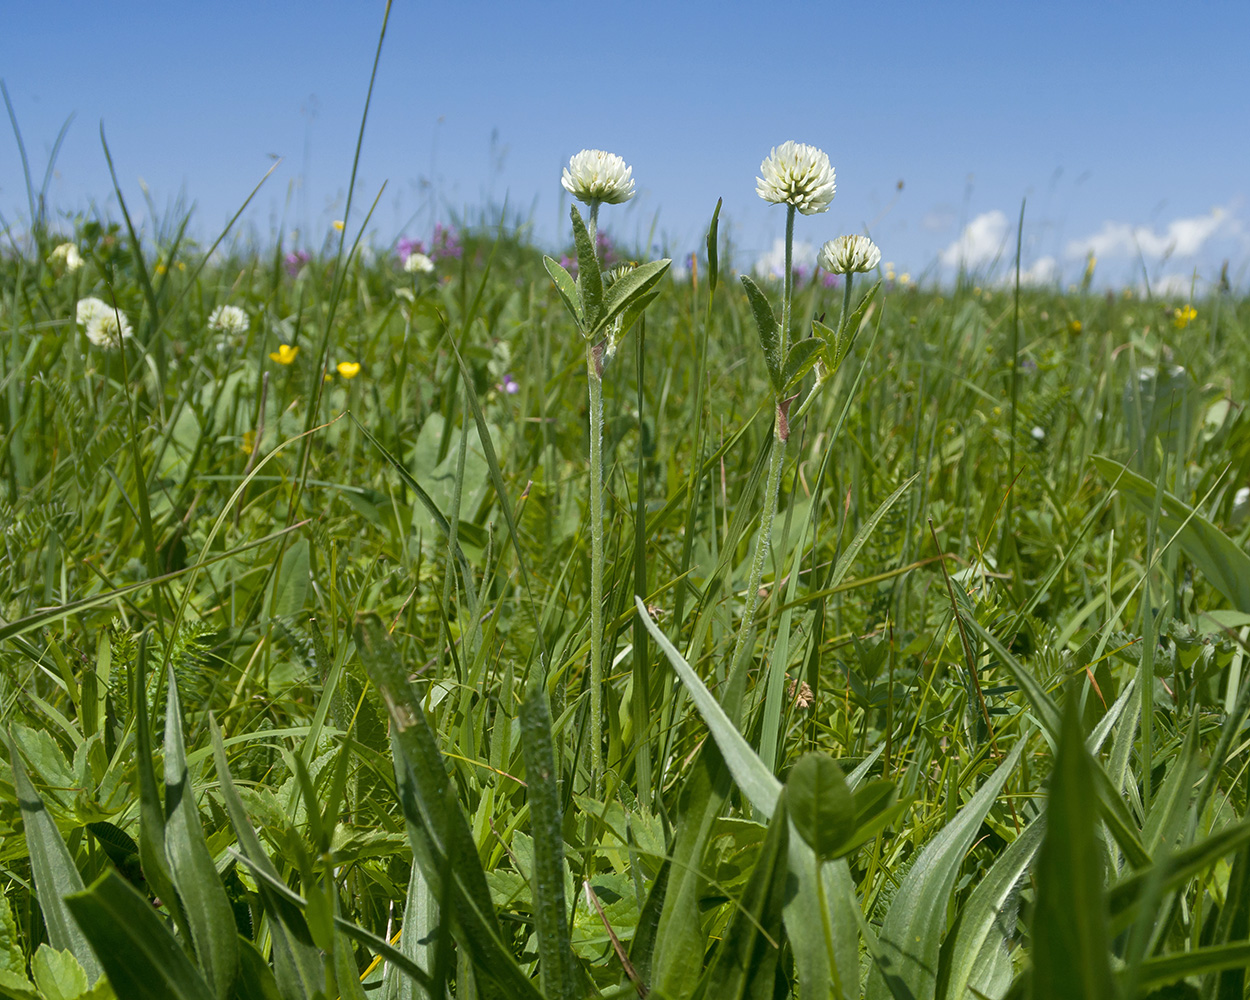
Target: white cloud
{"x": 1044, "y": 271}
{"x": 773, "y": 263}
{"x": 981, "y": 242}
{"x": 1182, "y": 238}
{"x": 1172, "y": 285}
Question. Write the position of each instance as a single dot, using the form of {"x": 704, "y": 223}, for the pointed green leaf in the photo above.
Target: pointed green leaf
{"x": 567, "y": 288}
{"x": 556, "y": 965}
{"x": 142, "y": 958}
{"x": 53, "y": 869}
{"x": 800, "y": 360}
{"x": 626, "y": 291}
{"x": 1071, "y": 955}
{"x": 911, "y": 934}
{"x": 191, "y": 865}
{"x": 1221, "y": 560}
{"x": 589, "y": 278}
{"x": 713, "y": 249}
{"x": 769, "y": 331}
{"x": 820, "y": 803}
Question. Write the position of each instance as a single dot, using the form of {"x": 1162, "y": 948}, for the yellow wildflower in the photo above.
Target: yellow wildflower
{"x": 248, "y": 442}
{"x": 348, "y": 369}
{"x": 285, "y": 354}
{"x": 1075, "y": 327}
{"x": 1182, "y": 317}
{"x": 161, "y": 269}
{"x": 338, "y": 224}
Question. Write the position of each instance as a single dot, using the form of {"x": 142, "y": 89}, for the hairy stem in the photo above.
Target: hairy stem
{"x": 596, "y": 564}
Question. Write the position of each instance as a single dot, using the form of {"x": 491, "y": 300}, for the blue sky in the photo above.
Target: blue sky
{"x": 1126, "y": 126}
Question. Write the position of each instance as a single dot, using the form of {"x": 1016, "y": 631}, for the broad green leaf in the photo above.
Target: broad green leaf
{"x": 567, "y": 288}
{"x": 12, "y": 959}
{"x": 713, "y": 250}
{"x": 1221, "y": 560}
{"x": 911, "y": 934}
{"x": 589, "y": 278}
{"x": 1071, "y": 958}
{"x": 58, "y": 976}
{"x": 53, "y": 869}
{"x": 441, "y": 839}
{"x": 556, "y": 965}
{"x": 800, "y": 359}
{"x": 142, "y": 958}
{"x": 191, "y": 867}
{"x": 15, "y": 986}
{"x": 769, "y": 331}
{"x": 297, "y": 964}
{"x": 987, "y": 918}
{"x": 746, "y": 961}
{"x": 820, "y": 803}
{"x": 633, "y": 286}
{"x": 256, "y": 979}
{"x": 291, "y": 586}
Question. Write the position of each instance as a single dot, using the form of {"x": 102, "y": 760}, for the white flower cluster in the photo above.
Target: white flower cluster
{"x": 849, "y": 254}
{"x": 229, "y": 320}
{"x": 105, "y": 326}
{"x": 595, "y": 176}
{"x": 418, "y": 263}
{"x": 66, "y": 255}
{"x": 799, "y": 175}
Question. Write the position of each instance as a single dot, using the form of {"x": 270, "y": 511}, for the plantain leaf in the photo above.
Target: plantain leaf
{"x": 1071, "y": 943}
{"x": 769, "y": 331}
{"x": 53, "y": 869}
{"x": 191, "y": 867}
{"x": 1221, "y": 560}
{"x": 567, "y": 288}
{"x": 911, "y": 934}
{"x": 556, "y": 965}
{"x": 142, "y": 958}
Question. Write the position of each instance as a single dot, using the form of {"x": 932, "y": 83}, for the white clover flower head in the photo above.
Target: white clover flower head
{"x": 849, "y": 254}
{"x": 595, "y": 176}
{"x": 228, "y": 319}
{"x": 799, "y": 175}
{"x": 1038, "y": 434}
{"x": 105, "y": 326}
{"x": 418, "y": 263}
{"x": 66, "y": 255}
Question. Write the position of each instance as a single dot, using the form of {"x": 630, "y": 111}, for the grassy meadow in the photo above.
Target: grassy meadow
{"x": 296, "y": 629}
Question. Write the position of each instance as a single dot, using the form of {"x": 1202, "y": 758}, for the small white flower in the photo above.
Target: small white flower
{"x": 66, "y": 255}
{"x": 595, "y": 176}
{"x": 799, "y": 175}
{"x": 228, "y": 319}
{"x": 848, "y": 254}
{"x": 418, "y": 263}
{"x": 105, "y": 326}
{"x": 1038, "y": 434}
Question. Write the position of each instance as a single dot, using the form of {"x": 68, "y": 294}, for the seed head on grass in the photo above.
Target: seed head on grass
{"x": 799, "y": 175}
{"x": 595, "y": 176}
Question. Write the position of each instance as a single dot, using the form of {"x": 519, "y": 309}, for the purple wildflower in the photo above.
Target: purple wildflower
{"x": 509, "y": 385}
{"x": 829, "y": 280}
{"x": 605, "y": 249}
{"x": 446, "y": 242}
{"x": 569, "y": 264}
{"x": 405, "y": 248}
{"x": 295, "y": 260}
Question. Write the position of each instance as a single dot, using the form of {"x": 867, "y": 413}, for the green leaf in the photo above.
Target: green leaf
{"x": 191, "y": 867}
{"x": 987, "y": 918}
{"x": 800, "y": 359}
{"x": 291, "y": 586}
{"x": 53, "y": 869}
{"x": 556, "y": 965}
{"x": 631, "y": 287}
{"x": 769, "y": 330}
{"x": 256, "y": 980}
{"x": 1071, "y": 944}
{"x": 441, "y": 840}
{"x": 142, "y": 958}
{"x": 746, "y": 961}
{"x": 589, "y": 278}
{"x": 713, "y": 250}
{"x": 15, "y": 986}
{"x": 297, "y": 964}
{"x": 1221, "y": 560}
{"x": 58, "y": 975}
{"x": 820, "y": 803}
{"x": 911, "y": 934}
{"x": 567, "y": 288}
{"x": 12, "y": 959}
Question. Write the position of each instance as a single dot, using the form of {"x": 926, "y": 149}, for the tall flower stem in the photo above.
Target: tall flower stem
{"x": 595, "y": 377}
{"x": 772, "y": 489}
{"x": 592, "y": 227}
